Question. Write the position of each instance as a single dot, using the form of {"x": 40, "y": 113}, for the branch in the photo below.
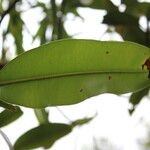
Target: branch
{"x": 7, "y": 140}
{"x": 61, "y": 112}
{"x": 11, "y": 6}
{"x": 57, "y": 20}
{"x": 41, "y": 115}
{"x": 147, "y": 40}
{"x": 60, "y": 20}
{"x": 54, "y": 14}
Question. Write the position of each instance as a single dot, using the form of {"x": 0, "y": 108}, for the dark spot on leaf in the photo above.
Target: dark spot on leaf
{"x": 147, "y": 64}
{"x": 107, "y": 52}
{"x": 81, "y": 90}
{"x": 109, "y": 77}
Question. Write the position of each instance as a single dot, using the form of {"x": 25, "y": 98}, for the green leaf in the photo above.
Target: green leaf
{"x": 44, "y": 24}
{"x": 138, "y": 9}
{"x": 83, "y": 121}
{"x": 137, "y": 97}
{"x": 42, "y": 136}
{"x": 132, "y": 33}
{"x": 72, "y": 5}
{"x": 69, "y": 71}
{"x": 117, "y": 18}
{"x": 127, "y": 26}
{"x": 46, "y": 134}
{"x": 1, "y": 8}
{"x": 7, "y": 106}
{"x": 41, "y": 33}
{"x": 15, "y": 28}
{"x": 103, "y": 4}
{"x": 129, "y": 3}
{"x": 7, "y": 116}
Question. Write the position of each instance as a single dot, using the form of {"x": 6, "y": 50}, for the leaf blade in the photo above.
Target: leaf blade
{"x": 41, "y": 136}
{"x": 8, "y": 116}
{"x": 69, "y": 71}
{"x": 136, "y": 98}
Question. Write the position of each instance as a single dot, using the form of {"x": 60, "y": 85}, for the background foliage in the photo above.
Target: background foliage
{"x": 123, "y": 19}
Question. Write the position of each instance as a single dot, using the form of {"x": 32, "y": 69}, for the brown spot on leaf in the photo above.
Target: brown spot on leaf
{"x": 147, "y": 64}
{"x": 107, "y": 52}
{"x": 109, "y": 77}
{"x": 81, "y": 90}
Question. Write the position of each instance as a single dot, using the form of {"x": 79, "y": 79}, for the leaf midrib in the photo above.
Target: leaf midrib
{"x": 35, "y": 78}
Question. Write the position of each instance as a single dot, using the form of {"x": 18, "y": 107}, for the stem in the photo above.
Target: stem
{"x": 3, "y": 60}
{"x": 60, "y": 31}
{"x": 95, "y": 144}
{"x": 7, "y": 11}
{"x": 147, "y": 39}
{"x": 57, "y": 20}
{"x": 54, "y": 14}
{"x": 61, "y": 112}
{"x": 41, "y": 115}
{"x": 6, "y": 140}
{"x": 60, "y": 20}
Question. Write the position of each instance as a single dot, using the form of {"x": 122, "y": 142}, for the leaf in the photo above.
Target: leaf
{"x": 117, "y": 18}
{"x": 132, "y": 33}
{"x": 15, "y": 28}
{"x": 1, "y": 8}
{"x": 69, "y": 71}
{"x": 71, "y": 5}
{"x": 45, "y": 135}
{"x": 127, "y": 26}
{"x": 44, "y": 24}
{"x": 138, "y": 9}
{"x": 83, "y": 121}
{"x": 7, "y": 106}
{"x": 7, "y": 116}
{"x": 41, "y": 33}
{"x": 103, "y": 4}
{"x": 128, "y": 3}
{"x": 42, "y": 136}
{"x": 137, "y": 97}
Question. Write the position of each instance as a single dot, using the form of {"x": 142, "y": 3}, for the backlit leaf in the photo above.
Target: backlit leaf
{"x": 137, "y": 97}
{"x": 8, "y": 116}
{"x": 42, "y": 136}
{"x": 70, "y": 71}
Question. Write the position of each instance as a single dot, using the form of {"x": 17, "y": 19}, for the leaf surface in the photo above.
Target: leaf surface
{"x": 82, "y": 121}
{"x": 47, "y": 134}
{"x": 8, "y": 116}
{"x": 117, "y": 18}
{"x": 42, "y": 136}
{"x": 70, "y": 71}
{"x": 136, "y": 98}
{"x": 15, "y": 28}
